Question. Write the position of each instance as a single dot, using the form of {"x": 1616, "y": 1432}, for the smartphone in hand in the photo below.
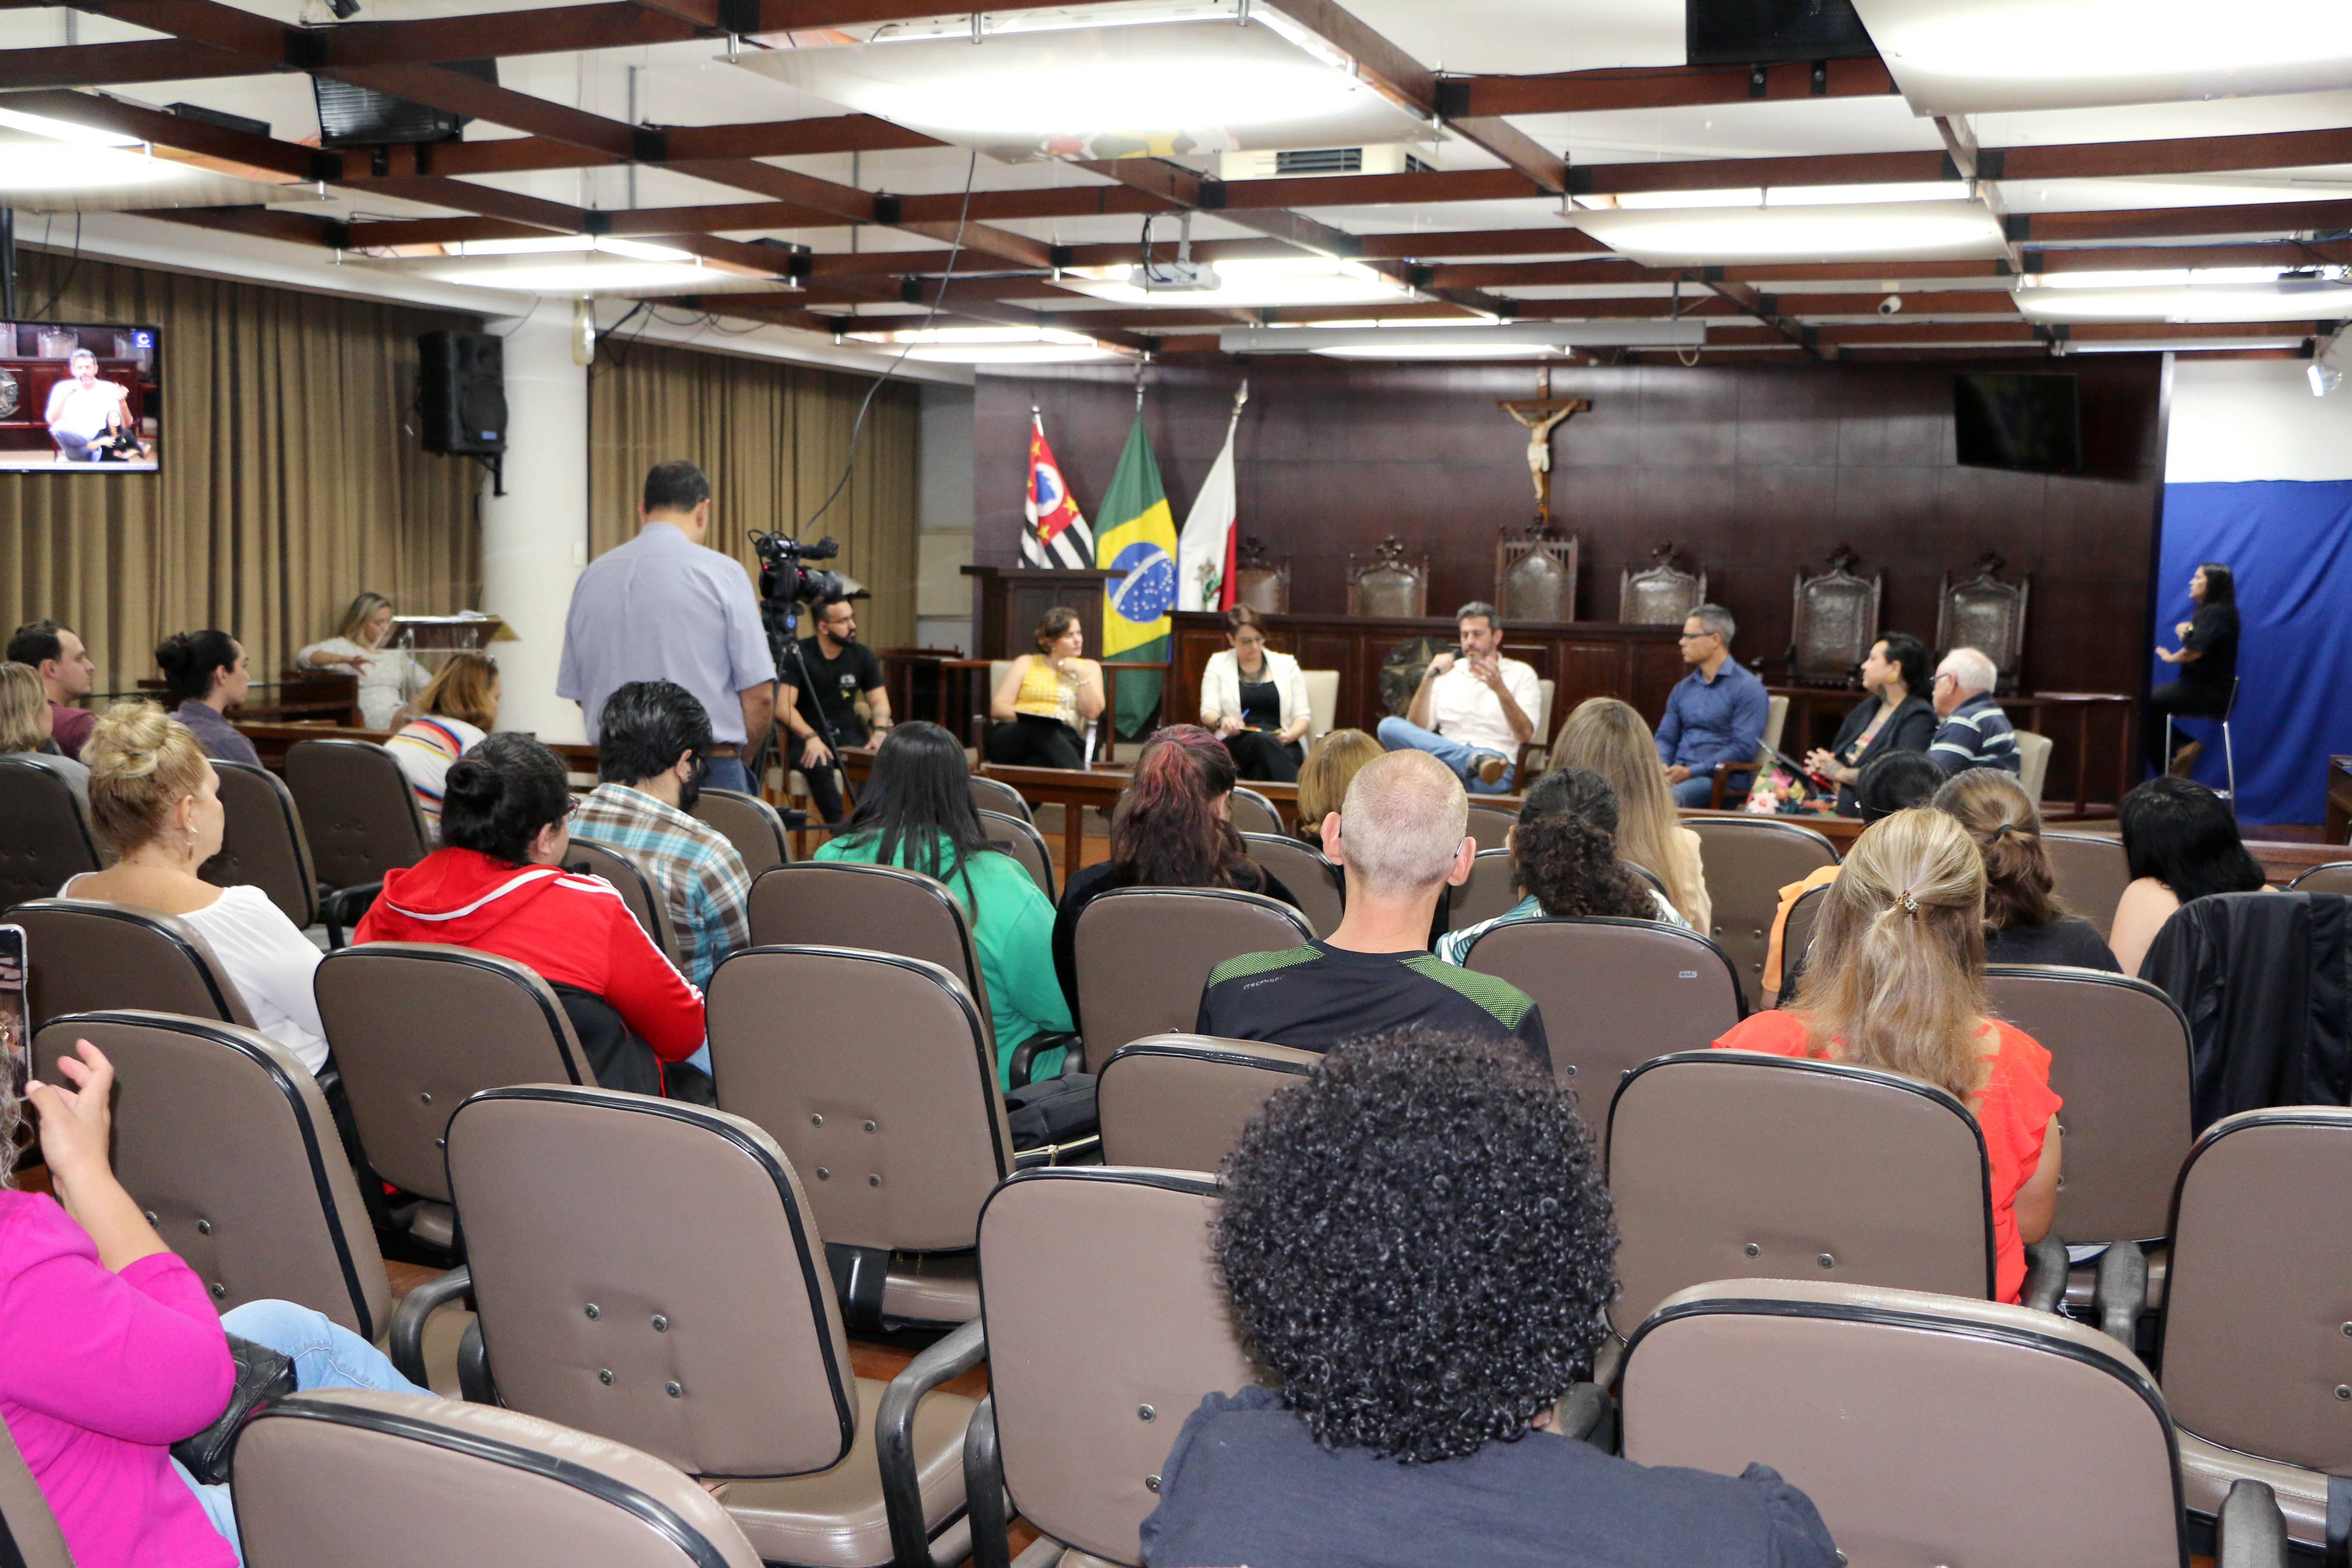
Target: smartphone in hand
{"x": 15, "y": 1012}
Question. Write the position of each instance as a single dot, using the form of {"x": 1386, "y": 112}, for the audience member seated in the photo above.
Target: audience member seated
{"x": 1891, "y": 782}
{"x": 110, "y": 1349}
{"x": 1564, "y": 859}
{"x": 455, "y": 711}
{"x": 67, "y": 674}
{"x": 388, "y": 677}
{"x": 2181, "y": 842}
{"x": 1717, "y": 713}
{"x": 1895, "y": 982}
{"x": 1975, "y": 732}
{"x": 1473, "y": 710}
{"x": 2024, "y": 921}
{"x": 1896, "y": 717}
{"x": 25, "y": 732}
{"x": 1331, "y": 765}
{"x": 653, "y": 752}
{"x": 497, "y": 884}
{"x": 1046, "y": 699}
{"x": 1421, "y": 1301}
{"x": 915, "y": 811}
{"x": 156, "y": 800}
{"x": 1255, "y": 699}
{"x": 207, "y": 675}
{"x": 1402, "y": 837}
{"x": 1609, "y": 737}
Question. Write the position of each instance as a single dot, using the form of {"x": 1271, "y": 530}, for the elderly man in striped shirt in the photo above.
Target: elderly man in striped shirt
{"x": 1975, "y": 732}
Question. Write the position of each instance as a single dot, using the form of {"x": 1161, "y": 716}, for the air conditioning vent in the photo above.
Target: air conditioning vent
{"x": 1319, "y": 161}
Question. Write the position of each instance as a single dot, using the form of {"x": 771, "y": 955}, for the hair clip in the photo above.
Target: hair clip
{"x": 1910, "y": 905}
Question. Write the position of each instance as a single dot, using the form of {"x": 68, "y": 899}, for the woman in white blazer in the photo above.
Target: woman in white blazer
{"x": 1255, "y": 699}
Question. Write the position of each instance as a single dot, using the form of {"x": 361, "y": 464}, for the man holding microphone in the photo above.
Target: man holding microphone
{"x": 1471, "y": 712}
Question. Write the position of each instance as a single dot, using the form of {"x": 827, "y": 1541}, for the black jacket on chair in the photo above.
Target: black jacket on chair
{"x": 1909, "y": 728}
{"x": 2265, "y": 980}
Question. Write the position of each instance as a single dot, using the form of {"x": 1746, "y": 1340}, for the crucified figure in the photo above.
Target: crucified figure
{"x": 1540, "y": 416}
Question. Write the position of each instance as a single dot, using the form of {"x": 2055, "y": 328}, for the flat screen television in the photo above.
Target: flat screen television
{"x": 2029, "y": 422}
{"x": 79, "y": 398}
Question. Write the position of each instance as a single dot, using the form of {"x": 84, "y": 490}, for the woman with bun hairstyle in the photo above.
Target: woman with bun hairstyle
{"x": 498, "y": 883}
{"x": 153, "y": 796}
{"x": 2025, "y": 922}
{"x": 206, "y": 675}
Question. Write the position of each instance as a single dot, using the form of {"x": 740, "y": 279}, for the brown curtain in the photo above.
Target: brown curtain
{"x": 291, "y": 476}
{"x": 772, "y": 438}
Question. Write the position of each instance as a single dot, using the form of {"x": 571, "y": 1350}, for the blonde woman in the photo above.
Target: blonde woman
{"x": 1895, "y": 981}
{"x": 456, "y": 710}
{"x": 1324, "y": 778}
{"x": 27, "y": 728}
{"x": 1610, "y": 737}
{"x": 388, "y": 677}
{"x": 1046, "y": 698}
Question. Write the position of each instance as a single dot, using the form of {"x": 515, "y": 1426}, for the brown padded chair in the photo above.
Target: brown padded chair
{"x": 29, "y": 1531}
{"x": 751, "y": 824}
{"x": 1487, "y": 893}
{"x": 1491, "y": 826}
{"x": 1016, "y": 837}
{"x": 1107, "y": 1328}
{"x": 875, "y": 908}
{"x": 262, "y": 843}
{"x": 1797, "y": 942}
{"x": 995, "y": 794}
{"x": 417, "y": 1027}
{"x": 1144, "y": 956}
{"x": 652, "y": 1273}
{"x": 1614, "y": 992}
{"x": 1179, "y": 1102}
{"x": 367, "y": 1479}
{"x": 44, "y": 841}
{"x": 2091, "y": 874}
{"x": 1925, "y": 1429}
{"x": 587, "y": 857}
{"x": 1253, "y": 813}
{"x": 1748, "y": 862}
{"x": 1737, "y": 1166}
{"x": 876, "y": 1076}
{"x": 1317, "y": 885}
{"x": 2255, "y": 1359}
{"x": 86, "y": 955}
{"x": 2335, "y": 877}
{"x": 360, "y": 817}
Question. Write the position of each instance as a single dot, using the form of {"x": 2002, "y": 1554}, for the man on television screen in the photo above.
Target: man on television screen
{"x": 84, "y": 409}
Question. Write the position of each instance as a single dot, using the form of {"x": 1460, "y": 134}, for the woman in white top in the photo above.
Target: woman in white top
{"x": 1255, "y": 699}
{"x": 152, "y": 795}
{"x": 388, "y": 677}
{"x": 458, "y": 709}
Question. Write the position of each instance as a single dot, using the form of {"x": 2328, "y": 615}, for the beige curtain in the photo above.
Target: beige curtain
{"x": 772, "y": 438}
{"x": 291, "y": 475}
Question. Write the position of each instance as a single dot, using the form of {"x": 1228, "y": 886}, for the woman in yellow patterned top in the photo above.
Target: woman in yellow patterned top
{"x": 1045, "y": 697}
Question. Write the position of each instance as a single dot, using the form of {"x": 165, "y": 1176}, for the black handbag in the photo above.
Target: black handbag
{"x": 262, "y": 1375}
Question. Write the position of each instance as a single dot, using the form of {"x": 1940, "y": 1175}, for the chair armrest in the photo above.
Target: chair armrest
{"x": 983, "y": 1491}
{"x": 1723, "y": 772}
{"x": 2046, "y": 1273}
{"x": 2251, "y": 1532}
{"x": 1520, "y": 768}
{"x": 2120, "y": 1296}
{"x": 1025, "y": 1054}
{"x": 344, "y": 907}
{"x": 405, "y": 1343}
{"x": 894, "y": 1438}
{"x": 475, "y": 1384}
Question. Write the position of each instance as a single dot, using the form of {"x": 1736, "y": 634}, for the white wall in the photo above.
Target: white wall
{"x": 2254, "y": 419}
{"x": 942, "y": 593}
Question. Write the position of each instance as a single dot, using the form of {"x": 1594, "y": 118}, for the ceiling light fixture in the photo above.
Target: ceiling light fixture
{"x": 1794, "y": 196}
{"x": 1272, "y": 281}
{"x": 994, "y": 345}
{"x": 1888, "y": 231}
{"x": 1464, "y": 342}
{"x": 2280, "y": 300}
{"x": 2174, "y": 345}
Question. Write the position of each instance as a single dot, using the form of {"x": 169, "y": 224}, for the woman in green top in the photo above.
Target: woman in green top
{"x": 915, "y": 811}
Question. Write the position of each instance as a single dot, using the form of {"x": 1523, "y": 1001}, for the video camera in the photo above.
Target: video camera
{"x": 785, "y": 577}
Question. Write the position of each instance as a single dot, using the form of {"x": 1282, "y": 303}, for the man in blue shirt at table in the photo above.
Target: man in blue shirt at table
{"x": 1715, "y": 715}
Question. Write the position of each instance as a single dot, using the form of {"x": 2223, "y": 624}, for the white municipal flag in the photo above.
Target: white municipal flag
{"x": 1205, "y": 547}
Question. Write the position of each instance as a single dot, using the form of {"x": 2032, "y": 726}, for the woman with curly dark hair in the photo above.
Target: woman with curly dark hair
{"x": 1564, "y": 859}
{"x": 1421, "y": 1301}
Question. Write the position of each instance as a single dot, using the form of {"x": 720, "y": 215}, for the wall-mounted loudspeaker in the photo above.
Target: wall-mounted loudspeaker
{"x": 461, "y": 393}
{"x": 1762, "y": 32}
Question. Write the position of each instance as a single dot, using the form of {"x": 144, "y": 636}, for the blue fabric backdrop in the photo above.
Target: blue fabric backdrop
{"x": 2289, "y": 543}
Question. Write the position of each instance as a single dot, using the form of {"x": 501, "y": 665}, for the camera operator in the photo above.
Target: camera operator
{"x": 830, "y": 671}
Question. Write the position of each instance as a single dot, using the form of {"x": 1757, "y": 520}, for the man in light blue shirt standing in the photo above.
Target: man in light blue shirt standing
{"x": 1715, "y": 715}
{"x": 663, "y": 607}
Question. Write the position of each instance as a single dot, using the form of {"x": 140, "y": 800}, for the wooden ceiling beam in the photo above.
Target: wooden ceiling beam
{"x": 118, "y": 65}
{"x": 1658, "y": 87}
{"x": 2161, "y": 223}
{"x": 2169, "y": 257}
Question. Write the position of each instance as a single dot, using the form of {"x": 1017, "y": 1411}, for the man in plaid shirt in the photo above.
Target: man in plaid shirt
{"x": 652, "y": 750}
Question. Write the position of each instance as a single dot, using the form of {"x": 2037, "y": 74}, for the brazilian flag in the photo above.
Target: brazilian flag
{"x": 1134, "y": 530}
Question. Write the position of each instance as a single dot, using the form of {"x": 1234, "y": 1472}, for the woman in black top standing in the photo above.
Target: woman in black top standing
{"x": 2208, "y": 661}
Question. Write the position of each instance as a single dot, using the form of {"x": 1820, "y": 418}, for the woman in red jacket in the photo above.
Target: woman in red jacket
{"x": 496, "y": 883}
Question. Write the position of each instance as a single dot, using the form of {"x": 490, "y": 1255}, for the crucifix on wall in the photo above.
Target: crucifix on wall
{"x": 1542, "y": 415}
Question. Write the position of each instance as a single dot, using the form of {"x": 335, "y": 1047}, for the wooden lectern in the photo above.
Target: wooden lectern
{"x": 1007, "y": 603}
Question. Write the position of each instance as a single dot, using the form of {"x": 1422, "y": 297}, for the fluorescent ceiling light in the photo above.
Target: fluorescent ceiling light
{"x": 1888, "y": 231}
{"x": 559, "y": 244}
{"x": 577, "y": 265}
{"x": 2184, "y": 278}
{"x": 2176, "y": 345}
{"x": 98, "y": 172}
{"x": 1790, "y": 196}
{"x": 1442, "y": 351}
{"x": 1981, "y": 56}
{"x": 1461, "y": 341}
{"x": 64, "y": 129}
{"x": 2286, "y": 300}
{"x": 993, "y": 345}
{"x": 1299, "y": 280}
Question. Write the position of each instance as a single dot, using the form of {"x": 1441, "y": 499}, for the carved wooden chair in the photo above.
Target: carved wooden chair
{"x": 1835, "y": 621}
{"x": 1387, "y": 583}
{"x": 1535, "y": 576}
{"x": 1664, "y": 595}
{"x": 1987, "y": 615}
{"x": 1261, "y": 583}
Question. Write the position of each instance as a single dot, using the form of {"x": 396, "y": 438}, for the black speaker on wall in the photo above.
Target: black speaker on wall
{"x": 461, "y": 393}
{"x": 1763, "y": 32}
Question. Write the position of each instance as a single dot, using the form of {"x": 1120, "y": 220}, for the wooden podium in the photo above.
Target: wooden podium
{"x": 1007, "y": 603}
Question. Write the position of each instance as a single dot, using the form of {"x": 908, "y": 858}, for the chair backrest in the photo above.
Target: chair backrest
{"x": 1490, "y": 825}
{"x": 44, "y": 842}
{"x": 1614, "y": 992}
{"x": 27, "y": 1528}
{"x": 1318, "y": 886}
{"x": 2091, "y": 874}
{"x": 2033, "y": 763}
{"x": 1179, "y": 1102}
{"x": 1487, "y": 894}
{"x": 85, "y": 955}
{"x": 1534, "y": 578}
{"x": 1388, "y": 584}
{"x": 1144, "y": 955}
{"x": 668, "y": 1245}
{"x": 995, "y": 794}
{"x": 1664, "y": 594}
{"x": 874, "y": 1072}
{"x": 1106, "y": 1329}
{"x": 368, "y": 1480}
{"x": 1253, "y": 813}
{"x": 751, "y": 824}
{"x": 1833, "y": 622}
{"x": 1748, "y": 862}
{"x": 262, "y": 842}
{"x": 1322, "y": 701}
{"x": 224, "y": 1138}
{"x": 417, "y": 1027}
{"x": 1827, "y": 1384}
{"x": 1797, "y": 939}
{"x": 1733, "y": 1165}
{"x": 2254, "y": 1293}
{"x": 1986, "y": 614}
{"x": 358, "y": 810}
{"x": 2119, "y": 1057}
{"x": 1016, "y": 837}
{"x": 628, "y": 875}
{"x": 2335, "y": 877}
{"x": 1776, "y": 720}
{"x": 879, "y": 908}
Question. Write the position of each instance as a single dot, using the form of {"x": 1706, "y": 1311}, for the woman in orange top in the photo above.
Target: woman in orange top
{"x": 1895, "y": 981}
